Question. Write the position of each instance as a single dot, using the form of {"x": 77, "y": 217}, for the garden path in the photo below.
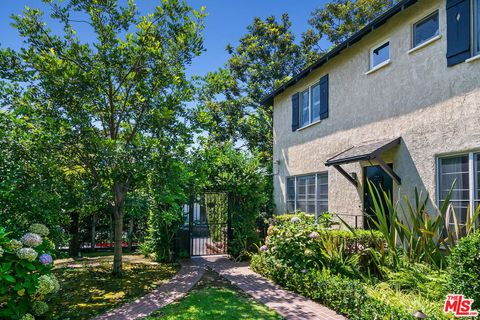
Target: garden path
{"x": 288, "y": 304}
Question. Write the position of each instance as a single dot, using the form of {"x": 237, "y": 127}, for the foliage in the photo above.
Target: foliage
{"x": 229, "y": 109}
{"x": 303, "y": 246}
{"x": 93, "y": 290}
{"x": 464, "y": 268}
{"x": 217, "y": 213}
{"x": 25, "y": 274}
{"x": 223, "y": 167}
{"x": 408, "y": 227}
{"x": 337, "y": 292}
{"x": 114, "y": 102}
{"x": 338, "y": 20}
{"x": 286, "y": 219}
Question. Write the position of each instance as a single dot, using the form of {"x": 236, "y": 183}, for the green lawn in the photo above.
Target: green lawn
{"x": 88, "y": 287}
{"x": 215, "y": 298}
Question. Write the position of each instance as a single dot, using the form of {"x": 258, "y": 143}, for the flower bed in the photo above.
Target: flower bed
{"x": 349, "y": 272}
{"x": 25, "y": 274}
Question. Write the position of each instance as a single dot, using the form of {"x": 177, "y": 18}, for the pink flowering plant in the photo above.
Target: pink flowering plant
{"x": 25, "y": 274}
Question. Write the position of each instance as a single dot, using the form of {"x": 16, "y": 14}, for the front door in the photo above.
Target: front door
{"x": 379, "y": 178}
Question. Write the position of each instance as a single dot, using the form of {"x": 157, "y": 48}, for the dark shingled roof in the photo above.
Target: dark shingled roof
{"x": 380, "y": 20}
{"x": 363, "y": 152}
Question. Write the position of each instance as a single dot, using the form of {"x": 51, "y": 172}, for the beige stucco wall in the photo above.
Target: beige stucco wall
{"x": 434, "y": 108}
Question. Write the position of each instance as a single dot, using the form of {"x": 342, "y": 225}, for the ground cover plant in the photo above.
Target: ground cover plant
{"x": 367, "y": 274}
{"x": 92, "y": 289}
{"x": 215, "y": 298}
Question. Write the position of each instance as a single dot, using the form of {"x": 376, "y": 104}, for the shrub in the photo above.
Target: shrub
{"x": 464, "y": 268}
{"x": 286, "y": 219}
{"x": 303, "y": 245}
{"x": 346, "y": 296}
{"x": 161, "y": 233}
{"x": 25, "y": 274}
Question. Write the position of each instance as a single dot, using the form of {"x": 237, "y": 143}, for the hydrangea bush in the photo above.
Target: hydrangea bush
{"x": 25, "y": 274}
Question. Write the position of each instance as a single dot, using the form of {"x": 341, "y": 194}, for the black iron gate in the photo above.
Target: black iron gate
{"x": 207, "y": 225}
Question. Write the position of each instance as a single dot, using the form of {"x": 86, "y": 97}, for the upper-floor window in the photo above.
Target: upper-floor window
{"x": 380, "y": 55}
{"x": 310, "y": 105}
{"x": 461, "y": 174}
{"x": 425, "y": 29}
{"x": 308, "y": 194}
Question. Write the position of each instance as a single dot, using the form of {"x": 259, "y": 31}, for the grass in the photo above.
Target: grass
{"x": 214, "y": 298}
{"x": 88, "y": 288}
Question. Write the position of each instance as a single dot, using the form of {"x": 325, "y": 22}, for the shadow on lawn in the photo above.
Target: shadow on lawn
{"x": 89, "y": 289}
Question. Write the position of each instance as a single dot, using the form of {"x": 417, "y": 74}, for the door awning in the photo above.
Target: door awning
{"x": 372, "y": 151}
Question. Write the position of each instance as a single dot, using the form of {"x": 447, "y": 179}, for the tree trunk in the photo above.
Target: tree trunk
{"x": 93, "y": 238}
{"x": 119, "y": 192}
{"x": 74, "y": 246}
{"x": 130, "y": 235}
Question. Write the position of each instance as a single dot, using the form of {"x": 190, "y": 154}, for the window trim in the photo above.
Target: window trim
{"x": 471, "y": 176}
{"x": 310, "y": 107}
{"x": 383, "y": 63}
{"x": 423, "y": 44}
{"x": 295, "y": 179}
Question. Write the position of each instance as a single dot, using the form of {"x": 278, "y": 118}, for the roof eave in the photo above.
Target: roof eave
{"x": 379, "y": 21}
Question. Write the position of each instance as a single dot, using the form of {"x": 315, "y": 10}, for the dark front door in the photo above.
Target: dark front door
{"x": 380, "y": 179}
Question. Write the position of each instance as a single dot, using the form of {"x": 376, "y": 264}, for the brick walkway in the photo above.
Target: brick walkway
{"x": 177, "y": 288}
{"x": 288, "y": 304}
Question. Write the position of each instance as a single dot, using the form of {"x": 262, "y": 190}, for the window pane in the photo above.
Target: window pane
{"x": 425, "y": 29}
{"x": 322, "y": 193}
{"x": 305, "y": 108}
{"x": 381, "y": 54}
{"x": 455, "y": 169}
{"x": 316, "y": 102}
{"x": 291, "y": 189}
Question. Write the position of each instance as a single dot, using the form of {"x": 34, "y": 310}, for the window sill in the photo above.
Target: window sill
{"x": 378, "y": 67}
{"x": 309, "y": 125}
{"x": 423, "y": 45}
{"x": 474, "y": 58}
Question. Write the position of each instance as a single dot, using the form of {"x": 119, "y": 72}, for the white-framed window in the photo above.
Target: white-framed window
{"x": 425, "y": 29}
{"x": 476, "y": 27}
{"x": 464, "y": 171}
{"x": 308, "y": 193}
{"x": 380, "y": 54}
{"x": 310, "y": 105}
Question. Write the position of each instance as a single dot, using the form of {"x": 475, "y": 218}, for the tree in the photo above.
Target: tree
{"x": 114, "y": 100}
{"x": 229, "y": 108}
{"x": 337, "y": 21}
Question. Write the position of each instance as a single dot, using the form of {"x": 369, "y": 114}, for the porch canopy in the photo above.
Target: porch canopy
{"x": 367, "y": 152}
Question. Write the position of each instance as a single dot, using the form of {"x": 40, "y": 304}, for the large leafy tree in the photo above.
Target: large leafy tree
{"x": 114, "y": 100}
{"x": 338, "y": 20}
{"x": 265, "y": 57}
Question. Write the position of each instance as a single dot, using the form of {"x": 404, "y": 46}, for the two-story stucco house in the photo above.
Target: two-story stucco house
{"x": 397, "y": 103}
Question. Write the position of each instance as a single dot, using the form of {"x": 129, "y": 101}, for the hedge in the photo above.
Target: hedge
{"x": 342, "y": 294}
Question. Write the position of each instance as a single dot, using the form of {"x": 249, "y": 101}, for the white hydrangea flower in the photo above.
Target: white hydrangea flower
{"x": 28, "y": 254}
{"x": 40, "y": 229}
{"x": 31, "y": 240}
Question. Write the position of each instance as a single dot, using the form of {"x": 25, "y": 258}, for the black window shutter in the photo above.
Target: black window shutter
{"x": 295, "y": 111}
{"x": 324, "y": 97}
{"x": 458, "y": 31}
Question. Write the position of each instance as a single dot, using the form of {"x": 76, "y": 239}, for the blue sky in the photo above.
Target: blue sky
{"x": 225, "y": 24}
